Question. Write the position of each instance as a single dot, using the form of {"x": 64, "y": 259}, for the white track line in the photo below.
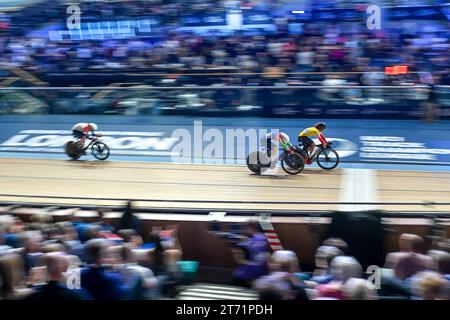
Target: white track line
{"x": 358, "y": 185}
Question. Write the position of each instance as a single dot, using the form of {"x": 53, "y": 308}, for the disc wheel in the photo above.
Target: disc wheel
{"x": 254, "y": 161}
{"x": 72, "y": 150}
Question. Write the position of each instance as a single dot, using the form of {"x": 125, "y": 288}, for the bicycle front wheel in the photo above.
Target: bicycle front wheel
{"x": 292, "y": 163}
{"x": 328, "y": 159}
{"x": 100, "y": 150}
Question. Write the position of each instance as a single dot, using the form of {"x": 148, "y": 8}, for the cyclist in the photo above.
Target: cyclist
{"x": 308, "y": 144}
{"x": 81, "y": 131}
{"x": 272, "y": 148}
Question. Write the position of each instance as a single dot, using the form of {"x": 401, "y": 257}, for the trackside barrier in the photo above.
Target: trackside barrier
{"x": 299, "y": 233}
{"x": 270, "y": 233}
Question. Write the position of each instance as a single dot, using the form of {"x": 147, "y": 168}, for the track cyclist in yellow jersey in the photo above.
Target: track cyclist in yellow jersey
{"x": 308, "y": 144}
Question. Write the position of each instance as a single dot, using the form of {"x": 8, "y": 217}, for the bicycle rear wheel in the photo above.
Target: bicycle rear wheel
{"x": 328, "y": 159}
{"x": 72, "y": 150}
{"x": 254, "y": 162}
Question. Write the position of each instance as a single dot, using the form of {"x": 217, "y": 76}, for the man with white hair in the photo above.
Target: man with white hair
{"x": 342, "y": 269}
{"x": 345, "y": 267}
{"x": 281, "y": 283}
{"x": 324, "y": 255}
{"x": 359, "y": 289}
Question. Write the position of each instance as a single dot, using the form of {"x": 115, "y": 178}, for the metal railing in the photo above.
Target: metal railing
{"x": 300, "y": 100}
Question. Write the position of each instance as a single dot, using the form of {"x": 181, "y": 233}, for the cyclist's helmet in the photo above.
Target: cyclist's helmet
{"x": 283, "y": 137}
{"x": 321, "y": 125}
{"x": 93, "y": 126}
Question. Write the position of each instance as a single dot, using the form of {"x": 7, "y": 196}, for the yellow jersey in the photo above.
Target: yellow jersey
{"x": 309, "y": 132}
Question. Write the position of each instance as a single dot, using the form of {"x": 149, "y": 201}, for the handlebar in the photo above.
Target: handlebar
{"x": 95, "y": 136}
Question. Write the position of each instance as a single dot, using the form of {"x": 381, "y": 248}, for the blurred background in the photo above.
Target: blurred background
{"x": 196, "y": 48}
{"x": 142, "y": 69}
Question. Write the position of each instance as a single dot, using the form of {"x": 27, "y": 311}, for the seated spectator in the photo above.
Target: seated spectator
{"x": 31, "y": 242}
{"x": 69, "y": 236}
{"x": 409, "y": 245}
{"x": 286, "y": 260}
{"x": 442, "y": 260}
{"x": 338, "y": 243}
{"x": 105, "y": 225}
{"x": 101, "y": 283}
{"x": 12, "y": 275}
{"x": 55, "y": 288}
{"x": 281, "y": 279}
{"x": 131, "y": 269}
{"x": 408, "y": 265}
{"x": 342, "y": 269}
{"x": 251, "y": 255}
{"x": 130, "y": 238}
{"x": 429, "y": 285}
{"x": 80, "y": 226}
{"x": 267, "y": 291}
{"x": 359, "y": 289}
{"x": 324, "y": 255}
{"x": 164, "y": 265}
{"x": 4, "y": 248}
{"x": 13, "y": 226}
{"x": 92, "y": 231}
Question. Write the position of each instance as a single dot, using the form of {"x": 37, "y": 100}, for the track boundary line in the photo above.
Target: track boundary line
{"x": 225, "y": 201}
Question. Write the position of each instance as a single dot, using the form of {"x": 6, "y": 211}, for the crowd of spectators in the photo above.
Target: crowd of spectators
{"x": 408, "y": 274}
{"x": 77, "y": 260}
{"x": 322, "y": 46}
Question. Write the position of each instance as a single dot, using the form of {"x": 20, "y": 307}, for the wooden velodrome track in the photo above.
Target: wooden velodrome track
{"x": 211, "y": 186}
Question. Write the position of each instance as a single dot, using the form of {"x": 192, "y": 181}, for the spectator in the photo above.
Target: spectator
{"x": 324, "y": 256}
{"x": 409, "y": 259}
{"x": 56, "y": 264}
{"x": 165, "y": 266}
{"x": 129, "y": 220}
{"x": 80, "y": 226}
{"x": 338, "y": 243}
{"x": 342, "y": 269}
{"x": 429, "y": 285}
{"x": 442, "y": 260}
{"x": 251, "y": 254}
{"x": 130, "y": 238}
{"x": 105, "y": 225}
{"x": 359, "y": 289}
{"x": 69, "y": 236}
{"x": 11, "y": 276}
{"x": 281, "y": 282}
{"x": 4, "y": 248}
{"x": 100, "y": 282}
{"x": 31, "y": 242}
{"x": 148, "y": 284}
